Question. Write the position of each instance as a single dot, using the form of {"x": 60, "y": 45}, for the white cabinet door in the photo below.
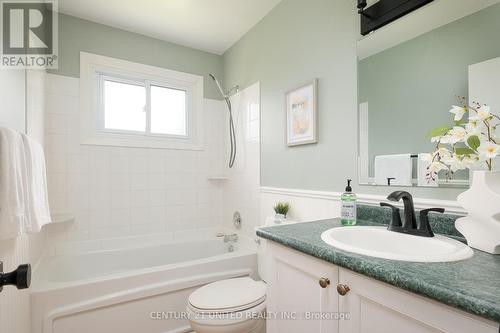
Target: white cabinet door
{"x": 295, "y": 296}
{"x": 376, "y": 307}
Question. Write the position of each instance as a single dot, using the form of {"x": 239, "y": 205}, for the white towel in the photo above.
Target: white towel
{"x": 37, "y": 197}
{"x": 422, "y": 173}
{"x": 398, "y": 167}
{"x": 23, "y": 185}
{"x": 13, "y": 183}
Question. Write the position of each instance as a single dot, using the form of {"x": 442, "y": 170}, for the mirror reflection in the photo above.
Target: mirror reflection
{"x": 408, "y": 84}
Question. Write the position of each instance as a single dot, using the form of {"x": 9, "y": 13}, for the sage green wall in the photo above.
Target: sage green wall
{"x": 297, "y": 41}
{"x": 77, "y": 35}
{"x": 415, "y": 83}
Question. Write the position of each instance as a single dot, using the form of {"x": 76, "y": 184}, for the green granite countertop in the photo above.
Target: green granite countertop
{"x": 472, "y": 285}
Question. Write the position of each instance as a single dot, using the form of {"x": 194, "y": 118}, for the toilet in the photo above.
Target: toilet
{"x": 228, "y": 306}
{"x": 235, "y": 305}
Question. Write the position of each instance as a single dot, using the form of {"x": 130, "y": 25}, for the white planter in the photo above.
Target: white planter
{"x": 279, "y": 218}
{"x": 481, "y": 227}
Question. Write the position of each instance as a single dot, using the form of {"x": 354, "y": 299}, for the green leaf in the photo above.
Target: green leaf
{"x": 474, "y": 142}
{"x": 460, "y": 122}
{"x": 464, "y": 151}
{"x": 439, "y": 131}
{"x": 282, "y": 208}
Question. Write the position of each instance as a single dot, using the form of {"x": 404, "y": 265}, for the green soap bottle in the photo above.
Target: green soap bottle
{"x": 348, "y": 206}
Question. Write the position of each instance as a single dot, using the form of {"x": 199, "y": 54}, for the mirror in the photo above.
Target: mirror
{"x": 409, "y": 75}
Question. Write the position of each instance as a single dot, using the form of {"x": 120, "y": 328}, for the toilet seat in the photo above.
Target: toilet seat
{"x": 228, "y": 296}
{"x": 245, "y": 307}
{"x": 228, "y": 306}
{"x": 244, "y": 320}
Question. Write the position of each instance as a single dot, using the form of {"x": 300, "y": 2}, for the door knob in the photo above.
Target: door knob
{"x": 324, "y": 282}
{"x": 21, "y": 277}
{"x": 342, "y": 289}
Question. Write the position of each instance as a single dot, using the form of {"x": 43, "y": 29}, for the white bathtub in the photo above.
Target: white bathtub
{"x": 108, "y": 287}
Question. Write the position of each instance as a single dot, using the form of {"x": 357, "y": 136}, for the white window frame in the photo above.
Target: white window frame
{"x": 94, "y": 69}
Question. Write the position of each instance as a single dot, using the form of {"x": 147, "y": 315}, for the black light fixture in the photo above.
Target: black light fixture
{"x": 361, "y": 7}
{"x": 385, "y": 11}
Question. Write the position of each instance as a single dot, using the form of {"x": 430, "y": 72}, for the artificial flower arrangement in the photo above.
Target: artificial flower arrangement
{"x": 469, "y": 142}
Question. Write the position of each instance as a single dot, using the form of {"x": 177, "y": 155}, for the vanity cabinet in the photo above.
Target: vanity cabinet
{"x": 295, "y": 295}
{"x": 298, "y": 285}
{"x": 377, "y": 307}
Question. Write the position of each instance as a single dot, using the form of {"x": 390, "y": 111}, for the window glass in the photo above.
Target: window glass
{"x": 168, "y": 111}
{"x": 124, "y": 106}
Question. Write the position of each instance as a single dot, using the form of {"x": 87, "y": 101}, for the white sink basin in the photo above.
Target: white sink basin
{"x": 381, "y": 243}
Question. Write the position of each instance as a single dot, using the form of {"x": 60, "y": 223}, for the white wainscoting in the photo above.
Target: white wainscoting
{"x": 309, "y": 205}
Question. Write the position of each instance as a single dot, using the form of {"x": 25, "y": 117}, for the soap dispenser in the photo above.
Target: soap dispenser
{"x": 348, "y": 206}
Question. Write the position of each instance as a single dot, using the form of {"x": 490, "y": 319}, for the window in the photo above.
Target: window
{"x": 130, "y": 104}
{"x": 126, "y": 108}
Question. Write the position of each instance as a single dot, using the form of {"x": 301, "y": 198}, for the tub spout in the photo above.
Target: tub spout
{"x": 228, "y": 238}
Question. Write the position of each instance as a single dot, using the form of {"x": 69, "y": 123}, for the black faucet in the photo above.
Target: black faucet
{"x": 410, "y": 221}
{"x": 409, "y": 225}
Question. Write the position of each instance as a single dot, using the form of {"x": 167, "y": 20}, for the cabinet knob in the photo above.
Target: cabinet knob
{"x": 324, "y": 282}
{"x": 343, "y": 289}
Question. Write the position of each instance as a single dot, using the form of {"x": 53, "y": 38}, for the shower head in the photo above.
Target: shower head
{"x": 225, "y": 95}
{"x": 218, "y": 85}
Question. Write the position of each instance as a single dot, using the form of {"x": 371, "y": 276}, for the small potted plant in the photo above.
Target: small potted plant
{"x": 281, "y": 209}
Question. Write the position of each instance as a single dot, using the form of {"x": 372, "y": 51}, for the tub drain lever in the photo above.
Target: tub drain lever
{"x": 21, "y": 277}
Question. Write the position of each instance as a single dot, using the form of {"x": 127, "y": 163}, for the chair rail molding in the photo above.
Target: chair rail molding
{"x": 451, "y": 206}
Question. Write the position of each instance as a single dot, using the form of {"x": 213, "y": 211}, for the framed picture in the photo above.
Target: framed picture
{"x": 301, "y": 114}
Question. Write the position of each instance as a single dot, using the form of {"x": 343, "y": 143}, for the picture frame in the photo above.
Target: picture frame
{"x": 301, "y": 108}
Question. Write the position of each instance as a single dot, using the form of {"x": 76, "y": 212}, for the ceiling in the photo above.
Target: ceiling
{"x": 209, "y": 25}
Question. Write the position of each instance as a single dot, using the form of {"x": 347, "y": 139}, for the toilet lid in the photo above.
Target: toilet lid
{"x": 239, "y": 293}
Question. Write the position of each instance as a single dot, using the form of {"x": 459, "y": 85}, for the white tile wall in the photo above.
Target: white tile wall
{"x": 241, "y": 191}
{"x": 116, "y": 191}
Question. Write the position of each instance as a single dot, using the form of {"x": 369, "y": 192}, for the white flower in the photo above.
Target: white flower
{"x": 473, "y": 127}
{"x": 488, "y": 149}
{"x": 482, "y": 114}
{"x": 435, "y": 167}
{"x": 427, "y": 158}
{"x": 447, "y": 139}
{"x": 457, "y": 134}
{"x": 458, "y": 111}
{"x": 442, "y": 152}
{"x": 455, "y": 163}
{"x": 470, "y": 159}
{"x": 496, "y": 133}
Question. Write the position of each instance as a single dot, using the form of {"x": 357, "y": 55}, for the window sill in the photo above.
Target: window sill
{"x": 142, "y": 142}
